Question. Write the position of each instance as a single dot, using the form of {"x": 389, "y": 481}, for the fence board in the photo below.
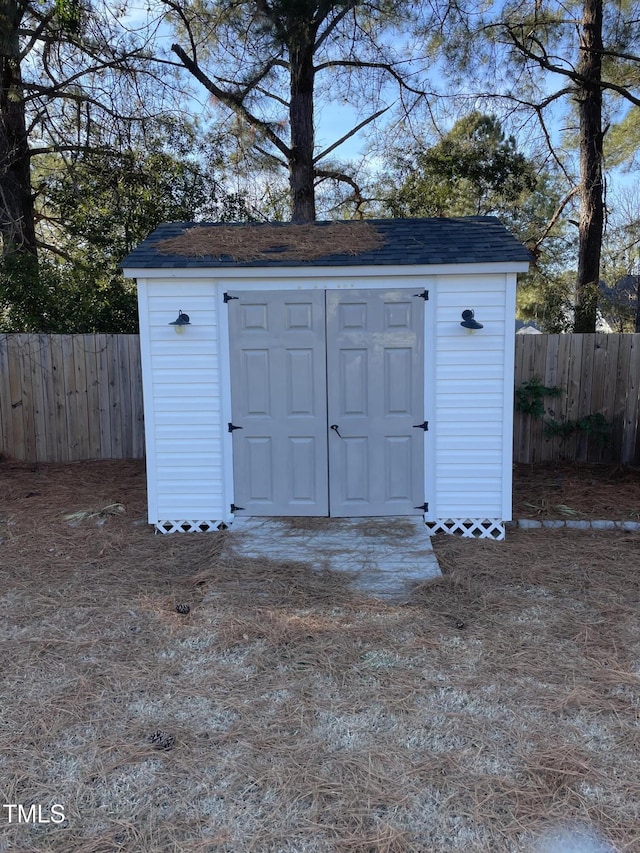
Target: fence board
{"x": 61, "y": 450}
{"x": 6, "y": 422}
{"x": 630, "y": 412}
{"x": 17, "y": 397}
{"x": 64, "y": 398}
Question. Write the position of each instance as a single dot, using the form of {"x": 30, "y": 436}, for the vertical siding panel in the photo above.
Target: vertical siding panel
{"x": 470, "y": 375}
{"x": 183, "y": 392}
{"x": 148, "y": 402}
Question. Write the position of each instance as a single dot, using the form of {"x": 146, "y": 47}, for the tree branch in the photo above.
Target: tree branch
{"x": 384, "y": 66}
{"x": 231, "y": 100}
{"x": 351, "y": 133}
{"x": 348, "y": 7}
{"x": 553, "y": 220}
{"x": 331, "y": 174}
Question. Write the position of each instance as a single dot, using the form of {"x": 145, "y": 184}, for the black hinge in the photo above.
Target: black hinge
{"x": 228, "y": 298}
{"x": 424, "y": 507}
{"x": 424, "y": 425}
{"x": 231, "y": 427}
{"x": 424, "y": 295}
{"x": 235, "y": 508}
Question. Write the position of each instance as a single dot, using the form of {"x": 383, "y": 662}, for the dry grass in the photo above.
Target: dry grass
{"x": 566, "y": 490}
{"x": 271, "y": 242}
{"x": 306, "y": 718}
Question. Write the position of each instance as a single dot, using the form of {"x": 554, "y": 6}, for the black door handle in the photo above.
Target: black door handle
{"x": 334, "y": 427}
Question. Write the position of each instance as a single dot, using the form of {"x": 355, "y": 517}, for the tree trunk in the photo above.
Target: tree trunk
{"x": 16, "y": 201}
{"x": 301, "y": 169}
{"x": 591, "y": 188}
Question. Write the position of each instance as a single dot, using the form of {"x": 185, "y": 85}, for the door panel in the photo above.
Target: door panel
{"x": 375, "y": 370}
{"x": 278, "y": 398}
{"x": 304, "y": 361}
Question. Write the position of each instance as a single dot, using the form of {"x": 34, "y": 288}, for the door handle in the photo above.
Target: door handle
{"x": 334, "y": 427}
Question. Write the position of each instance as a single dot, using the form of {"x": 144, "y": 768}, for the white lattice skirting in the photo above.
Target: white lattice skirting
{"x": 189, "y": 526}
{"x": 477, "y": 528}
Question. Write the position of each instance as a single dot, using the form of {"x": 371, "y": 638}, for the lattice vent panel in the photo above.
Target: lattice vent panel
{"x": 478, "y": 528}
{"x": 189, "y": 526}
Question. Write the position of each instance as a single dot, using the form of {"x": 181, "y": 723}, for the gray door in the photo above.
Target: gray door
{"x": 327, "y": 392}
{"x": 375, "y": 381}
{"x": 279, "y": 402}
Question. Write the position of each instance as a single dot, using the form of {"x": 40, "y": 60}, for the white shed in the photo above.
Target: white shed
{"x": 336, "y": 369}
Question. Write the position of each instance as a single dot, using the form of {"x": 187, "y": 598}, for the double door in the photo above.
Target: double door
{"x": 327, "y": 402}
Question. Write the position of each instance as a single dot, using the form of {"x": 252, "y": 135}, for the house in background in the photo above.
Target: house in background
{"x": 618, "y": 305}
{"x": 340, "y": 369}
{"x": 528, "y": 327}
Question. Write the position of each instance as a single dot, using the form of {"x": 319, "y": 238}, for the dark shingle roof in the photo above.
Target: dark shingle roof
{"x": 465, "y": 240}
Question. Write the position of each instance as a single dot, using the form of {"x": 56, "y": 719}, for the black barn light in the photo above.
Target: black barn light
{"x": 181, "y": 321}
{"x": 469, "y": 321}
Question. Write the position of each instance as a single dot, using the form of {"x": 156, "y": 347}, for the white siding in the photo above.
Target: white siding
{"x": 470, "y": 476}
{"x": 468, "y": 388}
{"x": 183, "y": 409}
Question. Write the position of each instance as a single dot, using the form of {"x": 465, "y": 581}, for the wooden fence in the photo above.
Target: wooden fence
{"x": 596, "y": 374}
{"x": 65, "y": 398}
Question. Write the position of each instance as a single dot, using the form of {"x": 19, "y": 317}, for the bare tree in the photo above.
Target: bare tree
{"x": 71, "y": 80}
{"x": 262, "y": 60}
{"x": 589, "y": 47}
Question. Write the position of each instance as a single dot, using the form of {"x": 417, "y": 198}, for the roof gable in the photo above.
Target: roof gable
{"x": 464, "y": 240}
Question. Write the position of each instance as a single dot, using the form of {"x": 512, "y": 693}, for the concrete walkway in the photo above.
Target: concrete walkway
{"x": 385, "y": 556}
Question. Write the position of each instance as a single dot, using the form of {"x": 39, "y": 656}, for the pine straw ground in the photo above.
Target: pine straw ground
{"x": 502, "y": 701}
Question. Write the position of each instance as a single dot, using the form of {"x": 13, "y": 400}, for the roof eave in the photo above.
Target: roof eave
{"x": 302, "y": 271}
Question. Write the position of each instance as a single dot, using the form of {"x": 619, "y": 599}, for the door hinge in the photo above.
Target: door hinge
{"x": 424, "y": 507}
{"x": 231, "y": 427}
{"x": 228, "y": 298}
{"x": 235, "y": 508}
{"x": 424, "y": 295}
{"x": 424, "y": 425}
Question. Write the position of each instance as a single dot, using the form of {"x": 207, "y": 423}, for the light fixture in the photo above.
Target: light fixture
{"x": 469, "y": 321}
{"x": 181, "y": 321}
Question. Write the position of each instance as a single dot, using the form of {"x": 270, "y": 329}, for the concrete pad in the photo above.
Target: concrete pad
{"x": 384, "y": 556}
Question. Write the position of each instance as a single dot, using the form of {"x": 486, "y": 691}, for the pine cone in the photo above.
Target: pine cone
{"x": 183, "y": 609}
{"x": 162, "y": 740}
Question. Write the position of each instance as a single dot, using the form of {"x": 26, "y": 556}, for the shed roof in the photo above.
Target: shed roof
{"x": 464, "y": 240}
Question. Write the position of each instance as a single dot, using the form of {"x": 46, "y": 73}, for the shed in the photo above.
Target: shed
{"x": 340, "y": 369}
